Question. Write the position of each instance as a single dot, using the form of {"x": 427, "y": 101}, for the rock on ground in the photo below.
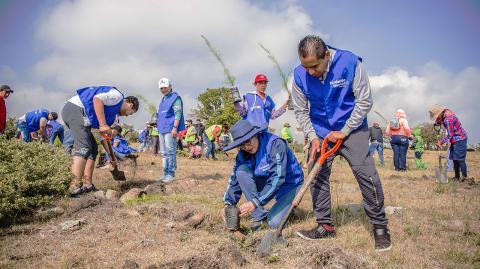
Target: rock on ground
{"x": 72, "y": 225}
{"x": 112, "y": 194}
{"x": 133, "y": 193}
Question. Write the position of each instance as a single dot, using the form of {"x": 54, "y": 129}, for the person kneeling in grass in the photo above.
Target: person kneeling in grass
{"x": 264, "y": 168}
{"x": 120, "y": 146}
{"x": 92, "y": 108}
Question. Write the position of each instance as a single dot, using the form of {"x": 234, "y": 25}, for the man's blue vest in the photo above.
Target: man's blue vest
{"x": 32, "y": 119}
{"x": 86, "y": 96}
{"x": 166, "y": 115}
{"x": 261, "y": 167}
{"x": 258, "y": 110}
{"x": 331, "y": 102}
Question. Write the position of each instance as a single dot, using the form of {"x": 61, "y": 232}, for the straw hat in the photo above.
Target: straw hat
{"x": 435, "y": 111}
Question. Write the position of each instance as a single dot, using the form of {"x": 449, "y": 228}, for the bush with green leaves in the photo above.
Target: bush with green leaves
{"x": 32, "y": 175}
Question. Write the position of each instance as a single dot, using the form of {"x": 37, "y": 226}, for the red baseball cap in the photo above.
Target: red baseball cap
{"x": 260, "y": 77}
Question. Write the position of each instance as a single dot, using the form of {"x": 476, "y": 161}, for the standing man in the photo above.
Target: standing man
{"x": 5, "y": 92}
{"x": 258, "y": 107}
{"x": 170, "y": 121}
{"x": 33, "y": 122}
{"x": 332, "y": 96}
{"x": 92, "y": 108}
{"x": 376, "y": 142}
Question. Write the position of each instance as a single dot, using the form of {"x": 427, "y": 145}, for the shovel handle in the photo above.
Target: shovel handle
{"x": 316, "y": 168}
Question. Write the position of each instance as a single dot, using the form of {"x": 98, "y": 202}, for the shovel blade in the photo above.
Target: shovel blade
{"x": 118, "y": 175}
{"x": 269, "y": 241}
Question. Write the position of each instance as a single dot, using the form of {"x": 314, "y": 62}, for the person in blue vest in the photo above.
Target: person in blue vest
{"x": 54, "y": 128}
{"x": 331, "y": 97}
{"x": 258, "y": 107}
{"x": 265, "y": 168}
{"x": 143, "y": 138}
{"x": 33, "y": 122}
{"x": 170, "y": 121}
{"x": 92, "y": 108}
{"x": 120, "y": 146}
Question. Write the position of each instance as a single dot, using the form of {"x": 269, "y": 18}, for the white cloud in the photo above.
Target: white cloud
{"x": 397, "y": 88}
{"x": 131, "y": 44}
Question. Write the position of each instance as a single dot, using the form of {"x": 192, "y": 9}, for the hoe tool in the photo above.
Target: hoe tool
{"x": 272, "y": 238}
{"x": 116, "y": 174}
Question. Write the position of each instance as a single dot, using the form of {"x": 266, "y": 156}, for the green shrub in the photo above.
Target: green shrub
{"x": 31, "y": 175}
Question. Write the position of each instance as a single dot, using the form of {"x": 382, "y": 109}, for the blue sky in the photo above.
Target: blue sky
{"x": 409, "y": 47}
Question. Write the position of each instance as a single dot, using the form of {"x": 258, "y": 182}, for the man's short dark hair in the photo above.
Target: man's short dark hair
{"x": 312, "y": 44}
{"x": 133, "y": 100}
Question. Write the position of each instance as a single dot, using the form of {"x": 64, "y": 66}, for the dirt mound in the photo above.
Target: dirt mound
{"x": 332, "y": 258}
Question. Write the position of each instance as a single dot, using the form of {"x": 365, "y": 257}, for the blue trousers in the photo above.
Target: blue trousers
{"x": 251, "y": 186}
{"x": 377, "y": 146}
{"x": 22, "y": 126}
{"x": 210, "y": 147}
{"x": 168, "y": 149}
{"x": 57, "y": 133}
{"x": 400, "y": 147}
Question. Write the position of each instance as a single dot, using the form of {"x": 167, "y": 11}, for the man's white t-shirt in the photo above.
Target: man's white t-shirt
{"x": 110, "y": 98}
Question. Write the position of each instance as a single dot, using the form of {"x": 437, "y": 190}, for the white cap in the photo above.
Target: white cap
{"x": 163, "y": 82}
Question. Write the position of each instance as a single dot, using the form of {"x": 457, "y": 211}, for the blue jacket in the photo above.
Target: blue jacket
{"x": 86, "y": 96}
{"x": 258, "y": 111}
{"x": 331, "y": 101}
{"x": 275, "y": 162}
{"x": 122, "y": 146}
{"x": 166, "y": 115}
{"x": 32, "y": 119}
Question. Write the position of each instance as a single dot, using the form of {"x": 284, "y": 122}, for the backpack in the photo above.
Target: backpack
{"x": 394, "y": 124}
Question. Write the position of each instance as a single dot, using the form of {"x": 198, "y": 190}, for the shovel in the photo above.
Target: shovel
{"x": 116, "y": 174}
{"x": 441, "y": 172}
{"x": 272, "y": 238}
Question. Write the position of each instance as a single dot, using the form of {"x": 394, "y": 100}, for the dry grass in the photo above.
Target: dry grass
{"x": 439, "y": 227}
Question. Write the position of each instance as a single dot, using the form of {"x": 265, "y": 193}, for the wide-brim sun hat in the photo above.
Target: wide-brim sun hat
{"x": 435, "y": 111}
{"x": 242, "y": 131}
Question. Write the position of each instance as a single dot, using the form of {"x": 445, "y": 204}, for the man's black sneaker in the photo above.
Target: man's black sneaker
{"x": 382, "y": 239}
{"x": 322, "y": 231}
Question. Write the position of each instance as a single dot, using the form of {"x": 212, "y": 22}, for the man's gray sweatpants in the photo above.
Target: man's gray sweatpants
{"x": 356, "y": 151}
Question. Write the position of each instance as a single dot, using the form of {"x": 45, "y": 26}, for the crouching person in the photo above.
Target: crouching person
{"x": 264, "y": 168}
{"x": 120, "y": 146}
{"x": 92, "y": 108}
{"x": 32, "y": 123}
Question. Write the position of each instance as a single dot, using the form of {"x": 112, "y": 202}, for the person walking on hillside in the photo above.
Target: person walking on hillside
{"x": 264, "y": 168}
{"x": 332, "y": 97}
{"x": 258, "y": 107}
{"x": 376, "y": 142}
{"x": 418, "y": 147}
{"x": 400, "y": 132}
{"x": 170, "y": 121}
{"x": 32, "y": 123}
{"x": 286, "y": 133}
{"x": 92, "y": 108}
{"x": 456, "y": 135}
{"x": 54, "y": 128}
{"x": 5, "y": 92}
{"x": 212, "y": 135}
